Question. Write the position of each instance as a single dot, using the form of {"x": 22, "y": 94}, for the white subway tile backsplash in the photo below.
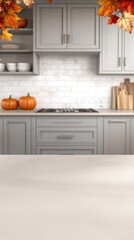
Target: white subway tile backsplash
{"x": 65, "y": 80}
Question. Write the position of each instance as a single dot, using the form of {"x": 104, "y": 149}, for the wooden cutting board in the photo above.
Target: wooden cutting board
{"x": 130, "y": 87}
{"x": 115, "y": 92}
{"x": 124, "y": 101}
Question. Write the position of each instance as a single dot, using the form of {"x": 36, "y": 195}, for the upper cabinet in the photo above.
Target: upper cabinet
{"x": 66, "y": 27}
{"x": 128, "y": 52}
{"x": 117, "y": 50}
{"x": 50, "y": 26}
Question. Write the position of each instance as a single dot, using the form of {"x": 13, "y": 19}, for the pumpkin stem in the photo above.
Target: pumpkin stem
{"x": 10, "y": 96}
{"x": 28, "y": 94}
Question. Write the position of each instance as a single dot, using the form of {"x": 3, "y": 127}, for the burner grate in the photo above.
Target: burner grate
{"x": 66, "y": 110}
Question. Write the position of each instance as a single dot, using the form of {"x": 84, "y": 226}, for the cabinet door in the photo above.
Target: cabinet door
{"x": 50, "y": 26}
{"x": 83, "y": 26}
{"x": 110, "y": 57}
{"x": 1, "y": 136}
{"x": 132, "y": 136}
{"x": 128, "y": 52}
{"x": 17, "y": 136}
{"x": 116, "y": 136}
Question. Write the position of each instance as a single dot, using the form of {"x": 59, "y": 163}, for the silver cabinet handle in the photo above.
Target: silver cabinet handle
{"x": 113, "y": 121}
{"x": 65, "y": 136}
{"x": 66, "y": 122}
{"x": 125, "y": 61}
{"x": 68, "y": 38}
{"x": 64, "y": 38}
{"x": 119, "y": 62}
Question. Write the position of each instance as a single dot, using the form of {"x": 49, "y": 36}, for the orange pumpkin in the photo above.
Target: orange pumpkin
{"x": 27, "y": 102}
{"x": 9, "y": 103}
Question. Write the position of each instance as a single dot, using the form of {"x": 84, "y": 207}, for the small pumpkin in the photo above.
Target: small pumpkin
{"x": 27, "y": 102}
{"x": 9, "y": 103}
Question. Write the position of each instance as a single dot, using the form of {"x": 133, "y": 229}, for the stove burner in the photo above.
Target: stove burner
{"x": 66, "y": 110}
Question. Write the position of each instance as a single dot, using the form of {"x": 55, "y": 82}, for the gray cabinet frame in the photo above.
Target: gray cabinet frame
{"x": 117, "y": 135}
{"x": 17, "y": 135}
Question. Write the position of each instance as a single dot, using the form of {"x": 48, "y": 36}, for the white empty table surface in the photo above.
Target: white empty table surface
{"x": 66, "y": 197}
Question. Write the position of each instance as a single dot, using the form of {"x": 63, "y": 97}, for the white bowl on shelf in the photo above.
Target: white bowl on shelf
{"x": 2, "y": 67}
{"x": 23, "y": 67}
{"x": 11, "y": 67}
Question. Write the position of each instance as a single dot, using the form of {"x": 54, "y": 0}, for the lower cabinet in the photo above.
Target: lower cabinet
{"x": 67, "y": 135}
{"x": 17, "y": 136}
{"x": 1, "y": 136}
{"x": 117, "y": 135}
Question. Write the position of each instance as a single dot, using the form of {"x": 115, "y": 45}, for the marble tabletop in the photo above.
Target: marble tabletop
{"x": 66, "y": 197}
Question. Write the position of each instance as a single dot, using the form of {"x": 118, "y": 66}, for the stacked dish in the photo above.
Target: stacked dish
{"x": 11, "y": 67}
{"x": 23, "y": 67}
{"x": 20, "y": 67}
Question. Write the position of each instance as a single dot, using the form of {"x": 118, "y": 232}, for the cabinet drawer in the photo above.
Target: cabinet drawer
{"x": 66, "y": 122}
{"x": 75, "y": 150}
{"x": 88, "y": 136}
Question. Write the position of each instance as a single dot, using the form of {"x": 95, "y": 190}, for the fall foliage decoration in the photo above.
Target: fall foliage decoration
{"x": 27, "y": 102}
{"x": 9, "y": 18}
{"x": 120, "y": 12}
{"x": 9, "y": 103}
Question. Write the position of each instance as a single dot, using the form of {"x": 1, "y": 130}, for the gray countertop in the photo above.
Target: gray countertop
{"x": 104, "y": 112}
{"x": 66, "y": 197}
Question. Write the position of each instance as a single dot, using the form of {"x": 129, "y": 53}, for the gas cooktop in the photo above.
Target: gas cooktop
{"x": 66, "y": 110}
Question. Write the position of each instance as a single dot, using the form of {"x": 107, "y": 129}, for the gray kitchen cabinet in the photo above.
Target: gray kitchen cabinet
{"x": 83, "y": 26}
{"x": 117, "y": 50}
{"x": 50, "y": 26}
{"x": 128, "y": 52}
{"x": 132, "y": 136}
{"x": 110, "y": 56}
{"x": 17, "y": 135}
{"x": 117, "y": 135}
{"x": 66, "y": 135}
{"x": 66, "y": 26}
{"x": 1, "y": 136}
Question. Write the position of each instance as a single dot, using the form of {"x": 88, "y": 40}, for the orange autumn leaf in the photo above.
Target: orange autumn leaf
{"x": 6, "y": 35}
{"x": 16, "y": 7}
{"x": 106, "y": 9}
{"x": 11, "y": 20}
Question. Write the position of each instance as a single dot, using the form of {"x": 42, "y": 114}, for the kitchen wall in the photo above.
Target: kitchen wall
{"x": 65, "y": 80}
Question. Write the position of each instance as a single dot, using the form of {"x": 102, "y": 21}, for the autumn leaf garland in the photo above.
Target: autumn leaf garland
{"x": 9, "y": 10}
{"x": 120, "y": 12}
